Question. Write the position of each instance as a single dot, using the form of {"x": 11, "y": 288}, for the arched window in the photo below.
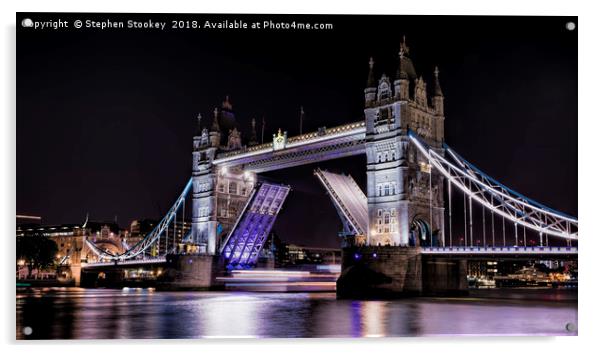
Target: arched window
{"x": 386, "y": 189}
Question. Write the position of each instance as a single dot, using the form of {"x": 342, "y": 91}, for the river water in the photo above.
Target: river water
{"x": 75, "y": 313}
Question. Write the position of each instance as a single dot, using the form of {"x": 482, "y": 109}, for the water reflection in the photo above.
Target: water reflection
{"x": 136, "y": 313}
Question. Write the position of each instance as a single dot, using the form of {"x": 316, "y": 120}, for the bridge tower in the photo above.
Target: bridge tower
{"x": 204, "y": 179}
{"x": 218, "y": 196}
{"x": 405, "y": 197}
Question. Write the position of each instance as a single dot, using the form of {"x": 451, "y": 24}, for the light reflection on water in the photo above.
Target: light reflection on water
{"x": 136, "y": 313}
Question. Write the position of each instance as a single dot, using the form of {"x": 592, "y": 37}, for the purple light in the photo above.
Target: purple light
{"x": 357, "y": 256}
{"x": 374, "y": 255}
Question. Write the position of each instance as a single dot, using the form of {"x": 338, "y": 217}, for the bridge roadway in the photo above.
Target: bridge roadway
{"x": 134, "y": 262}
{"x": 460, "y": 252}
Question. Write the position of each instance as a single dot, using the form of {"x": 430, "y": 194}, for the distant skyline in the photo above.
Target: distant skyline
{"x": 105, "y": 119}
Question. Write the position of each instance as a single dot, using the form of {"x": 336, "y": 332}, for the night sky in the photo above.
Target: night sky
{"x": 105, "y": 119}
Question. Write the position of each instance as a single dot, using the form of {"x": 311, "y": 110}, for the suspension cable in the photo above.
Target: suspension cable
{"x": 492, "y": 226}
{"x": 465, "y": 227}
{"x": 504, "y": 232}
{"x": 484, "y": 242}
{"x": 470, "y": 215}
{"x": 449, "y": 211}
{"x": 431, "y": 204}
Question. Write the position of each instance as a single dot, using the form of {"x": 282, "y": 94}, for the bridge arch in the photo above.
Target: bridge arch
{"x": 420, "y": 231}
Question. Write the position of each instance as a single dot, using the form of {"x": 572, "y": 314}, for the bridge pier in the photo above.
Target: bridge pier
{"x": 76, "y": 274}
{"x": 397, "y": 271}
{"x": 191, "y": 272}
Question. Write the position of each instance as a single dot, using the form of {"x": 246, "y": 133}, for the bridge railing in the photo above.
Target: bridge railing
{"x": 500, "y": 250}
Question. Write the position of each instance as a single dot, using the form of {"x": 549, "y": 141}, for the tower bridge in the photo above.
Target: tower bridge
{"x": 393, "y": 234}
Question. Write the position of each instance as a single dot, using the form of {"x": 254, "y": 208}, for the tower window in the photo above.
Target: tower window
{"x": 232, "y": 188}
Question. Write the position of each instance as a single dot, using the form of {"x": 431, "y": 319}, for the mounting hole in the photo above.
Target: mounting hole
{"x": 27, "y": 22}
{"x": 571, "y": 327}
{"x": 571, "y": 26}
{"x": 27, "y": 330}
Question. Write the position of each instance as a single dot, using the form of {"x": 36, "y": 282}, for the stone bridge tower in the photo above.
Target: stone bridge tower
{"x": 204, "y": 179}
{"x": 405, "y": 197}
{"x": 218, "y": 196}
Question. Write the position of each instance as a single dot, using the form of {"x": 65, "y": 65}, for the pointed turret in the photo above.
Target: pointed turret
{"x": 406, "y": 67}
{"x": 215, "y": 135}
{"x": 371, "y": 81}
{"x": 405, "y": 72}
{"x": 226, "y": 105}
{"x": 198, "y": 123}
{"x": 370, "y": 91}
{"x": 437, "y": 94}
{"x": 253, "y": 137}
{"x": 215, "y": 125}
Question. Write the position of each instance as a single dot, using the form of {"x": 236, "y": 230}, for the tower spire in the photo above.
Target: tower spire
{"x": 371, "y": 82}
{"x": 301, "y": 116}
{"x": 226, "y": 103}
{"x": 437, "y": 86}
{"x": 253, "y": 138}
{"x": 406, "y": 67}
{"x": 215, "y": 125}
{"x": 199, "y": 118}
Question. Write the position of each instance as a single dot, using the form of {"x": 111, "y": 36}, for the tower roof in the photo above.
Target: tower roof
{"x": 226, "y": 104}
{"x": 253, "y": 137}
{"x": 437, "y": 92}
{"x": 406, "y": 67}
{"x": 215, "y": 125}
{"x": 371, "y": 81}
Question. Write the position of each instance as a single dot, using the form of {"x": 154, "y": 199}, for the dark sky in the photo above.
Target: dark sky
{"x": 105, "y": 119}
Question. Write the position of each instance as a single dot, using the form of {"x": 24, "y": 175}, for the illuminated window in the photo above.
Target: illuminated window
{"x": 386, "y": 189}
{"x": 379, "y": 213}
{"x": 232, "y": 188}
{"x": 221, "y": 187}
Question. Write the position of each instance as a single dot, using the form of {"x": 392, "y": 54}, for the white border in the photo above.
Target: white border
{"x": 590, "y": 82}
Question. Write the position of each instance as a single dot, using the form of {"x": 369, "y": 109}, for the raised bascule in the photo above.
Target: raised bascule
{"x": 398, "y": 238}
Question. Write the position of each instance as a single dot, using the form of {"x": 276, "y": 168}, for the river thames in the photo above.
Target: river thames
{"x": 75, "y": 313}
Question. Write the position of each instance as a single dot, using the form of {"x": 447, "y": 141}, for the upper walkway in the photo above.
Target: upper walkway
{"x": 321, "y": 145}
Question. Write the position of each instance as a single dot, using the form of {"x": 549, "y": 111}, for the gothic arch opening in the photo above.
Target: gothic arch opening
{"x": 420, "y": 232}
